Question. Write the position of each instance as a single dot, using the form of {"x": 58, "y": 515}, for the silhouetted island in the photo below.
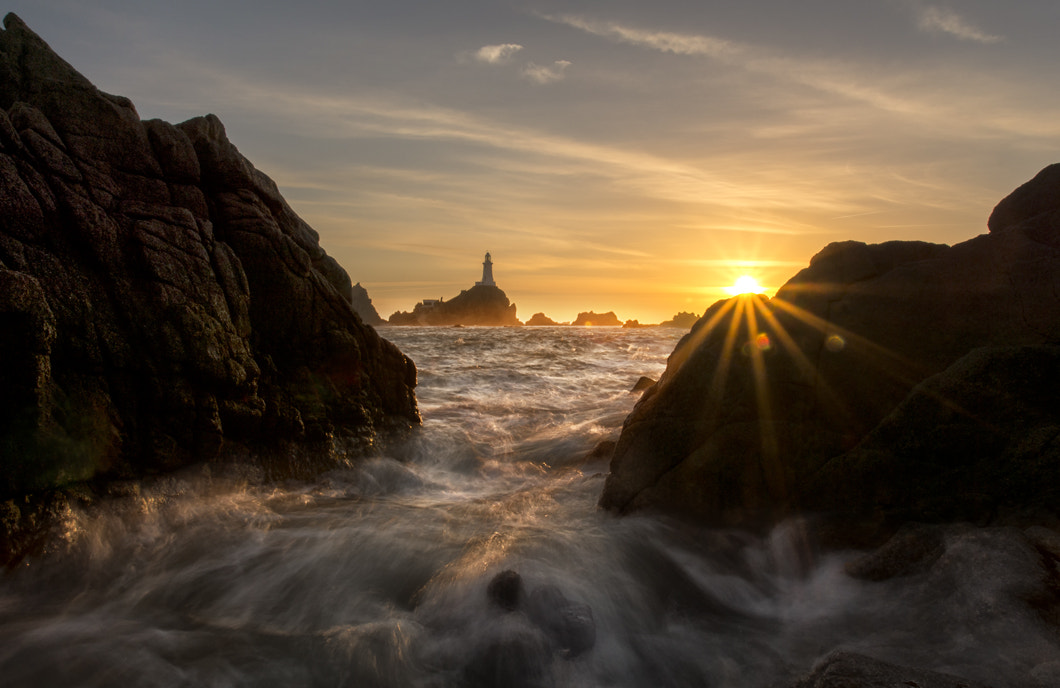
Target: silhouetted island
{"x": 483, "y": 304}
{"x": 592, "y": 319}
{"x": 542, "y": 320}
{"x": 683, "y": 320}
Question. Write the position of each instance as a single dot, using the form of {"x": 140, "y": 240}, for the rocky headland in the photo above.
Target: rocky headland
{"x": 362, "y": 304}
{"x": 160, "y": 302}
{"x": 883, "y": 384}
{"x": 480, "y": 305}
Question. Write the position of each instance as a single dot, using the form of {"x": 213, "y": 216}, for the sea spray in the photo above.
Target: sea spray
{"x": 378, "y": 575}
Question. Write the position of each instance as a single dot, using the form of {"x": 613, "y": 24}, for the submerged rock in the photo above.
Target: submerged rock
{"x": 160, "y": 302}
{"x": 803, "y": 402}
{"x": 506, "y": 590}
{"x": 851, "y": 670}
{"x": 569, "y": 625}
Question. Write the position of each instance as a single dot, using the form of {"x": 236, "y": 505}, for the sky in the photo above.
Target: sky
{"x": 617, "y": 155}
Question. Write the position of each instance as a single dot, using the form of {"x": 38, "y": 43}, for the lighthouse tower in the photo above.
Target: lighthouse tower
{"x": 487, "y": 273}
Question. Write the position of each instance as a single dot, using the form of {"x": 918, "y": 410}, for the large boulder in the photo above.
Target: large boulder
{"x": 160, "y": 302}
{"x": 762, "y": 401}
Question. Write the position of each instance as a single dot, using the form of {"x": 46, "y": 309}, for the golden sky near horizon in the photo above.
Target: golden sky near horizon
{"x": 615, "y": 155}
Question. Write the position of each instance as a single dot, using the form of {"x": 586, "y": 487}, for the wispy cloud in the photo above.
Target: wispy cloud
{"x": 939, "y": 19}
{"x": 664, "y": 41}
{"x": 888, "y": 93}
{"x": 546, "y": 74}
{"x": 830, "y": 77}
{"x": 497, "y": 54}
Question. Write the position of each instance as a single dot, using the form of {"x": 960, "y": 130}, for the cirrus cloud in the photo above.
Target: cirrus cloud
{"x": 546, "y": 74}
{"x": 939, "y": 19}
{"x": 497, "y": 54}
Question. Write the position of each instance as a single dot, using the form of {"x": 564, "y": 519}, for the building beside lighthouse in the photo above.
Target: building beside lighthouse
{"x": 487, "y": 273}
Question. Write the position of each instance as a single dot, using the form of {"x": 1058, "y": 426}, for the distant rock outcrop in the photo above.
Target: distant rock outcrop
{"x": 542, "y": 320}
{"x": 683, "y": 320}
{"x": 479, "y": 305}
{"x": 820, "y": 400}
{"x": 362, "y": 304}
{"x": 160, "y": 303}
{"x": 591, "y": 319}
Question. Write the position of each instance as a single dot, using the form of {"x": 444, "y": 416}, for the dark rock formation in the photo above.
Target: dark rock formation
{"x": 362, "y": 304}
{"x": 479, "y": 305}
{"x": 982, "y": 436}
{"x": 160, "y": 303}
{"x": 591, "y": 319}
{"x": 506, "y": 590}
{"x": 632, "y": 324}
{"x": 851, "y": 670}
{"x": 542, "y": 320}
{"x": 569, "y": 625}
{"x": 796, "y": 404}
{"x": 683, "y": 320}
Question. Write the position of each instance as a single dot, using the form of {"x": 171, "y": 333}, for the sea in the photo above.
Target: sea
{"x": 473, "y": 554}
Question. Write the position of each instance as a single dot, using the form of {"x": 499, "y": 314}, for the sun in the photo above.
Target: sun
{"x": 745, "y": 284}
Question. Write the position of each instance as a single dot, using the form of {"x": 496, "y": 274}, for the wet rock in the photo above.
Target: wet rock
{"x": 850, "y": 670}
{"x": 161, "y": 303}
{"x": 797, "y": 409}
{"x": 978, "y": 441}
{"x": 506, "y": 590}
{"x": 569, "y": 625}
{"x": 913, "y": 549}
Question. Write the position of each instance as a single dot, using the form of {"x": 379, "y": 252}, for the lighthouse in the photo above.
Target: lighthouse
{"x": 487, "y": 273}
